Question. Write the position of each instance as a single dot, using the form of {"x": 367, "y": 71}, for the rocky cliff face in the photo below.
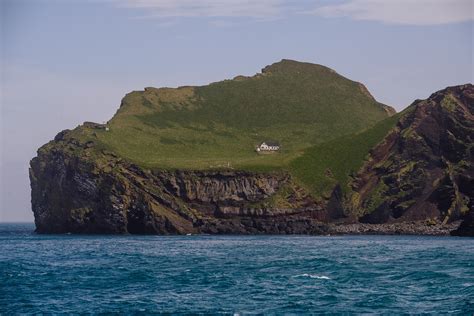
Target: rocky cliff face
{"x": 76, "y": 190}
{"x": 424, "y": 168}
{"x": 422, "y": 171}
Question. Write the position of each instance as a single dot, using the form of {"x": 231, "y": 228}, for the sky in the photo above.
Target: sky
{"x": 67, "y": 61}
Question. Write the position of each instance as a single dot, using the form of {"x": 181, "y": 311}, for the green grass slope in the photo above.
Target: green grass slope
{"x": 218, "y": 125}
{"x": 323, "y": 166}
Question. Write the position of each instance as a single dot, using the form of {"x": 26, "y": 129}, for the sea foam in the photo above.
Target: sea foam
{"x": 313, "y": 276}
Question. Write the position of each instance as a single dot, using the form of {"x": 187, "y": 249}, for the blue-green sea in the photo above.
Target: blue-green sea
{"x": 235, "y": 275}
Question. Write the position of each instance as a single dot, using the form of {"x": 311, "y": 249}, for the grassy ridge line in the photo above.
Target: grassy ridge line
{"x": 217, "y": 125}
{"x": 323, "y": 166}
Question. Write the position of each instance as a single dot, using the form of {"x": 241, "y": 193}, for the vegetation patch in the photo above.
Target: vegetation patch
{"x": 315, "y": 114}
{"x": 322, "y": 166}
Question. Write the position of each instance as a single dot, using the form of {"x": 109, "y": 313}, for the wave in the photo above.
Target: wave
{"x": 313, "y": 276}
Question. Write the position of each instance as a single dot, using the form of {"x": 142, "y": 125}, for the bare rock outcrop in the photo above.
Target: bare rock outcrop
{"x": 424, "y": 168}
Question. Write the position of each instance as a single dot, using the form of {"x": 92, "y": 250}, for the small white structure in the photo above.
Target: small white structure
{"x": 268, "y": 146}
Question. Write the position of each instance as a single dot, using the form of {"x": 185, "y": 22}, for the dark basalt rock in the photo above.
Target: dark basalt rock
{"x": 424, "y": 168}
{"x": 466, "y": 229}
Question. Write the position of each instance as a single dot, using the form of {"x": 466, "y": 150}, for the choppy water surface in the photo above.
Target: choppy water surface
{"x": 233, "y": 274}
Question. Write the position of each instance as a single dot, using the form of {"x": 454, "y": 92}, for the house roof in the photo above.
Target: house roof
{"x": 271, "y": 143}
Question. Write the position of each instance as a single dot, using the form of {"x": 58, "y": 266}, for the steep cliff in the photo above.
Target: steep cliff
{"x": 80, "y": 189}
{"x": 424, "y": 167}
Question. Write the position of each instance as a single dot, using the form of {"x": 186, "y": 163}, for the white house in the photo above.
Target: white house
{"x": 268, "y": 146}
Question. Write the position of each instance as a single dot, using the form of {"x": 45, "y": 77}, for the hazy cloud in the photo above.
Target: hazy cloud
{"x": 410, "y": 12}
{"x": 206, "y": 8}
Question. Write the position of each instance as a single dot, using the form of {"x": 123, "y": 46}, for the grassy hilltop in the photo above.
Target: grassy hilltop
{"x": 303, "y": 106}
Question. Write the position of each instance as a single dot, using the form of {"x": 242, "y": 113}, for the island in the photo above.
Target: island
{"x": 189, "y": 160}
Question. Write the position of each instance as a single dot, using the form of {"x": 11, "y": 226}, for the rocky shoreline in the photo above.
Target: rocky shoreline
{"x": 341, "y": 229}
{"x": 406, "y": 228}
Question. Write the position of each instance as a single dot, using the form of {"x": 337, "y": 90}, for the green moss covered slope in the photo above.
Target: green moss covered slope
{"x": 218, "y": 125}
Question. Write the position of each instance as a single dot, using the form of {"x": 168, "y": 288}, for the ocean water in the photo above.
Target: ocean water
{"x": 53, "y": 274}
